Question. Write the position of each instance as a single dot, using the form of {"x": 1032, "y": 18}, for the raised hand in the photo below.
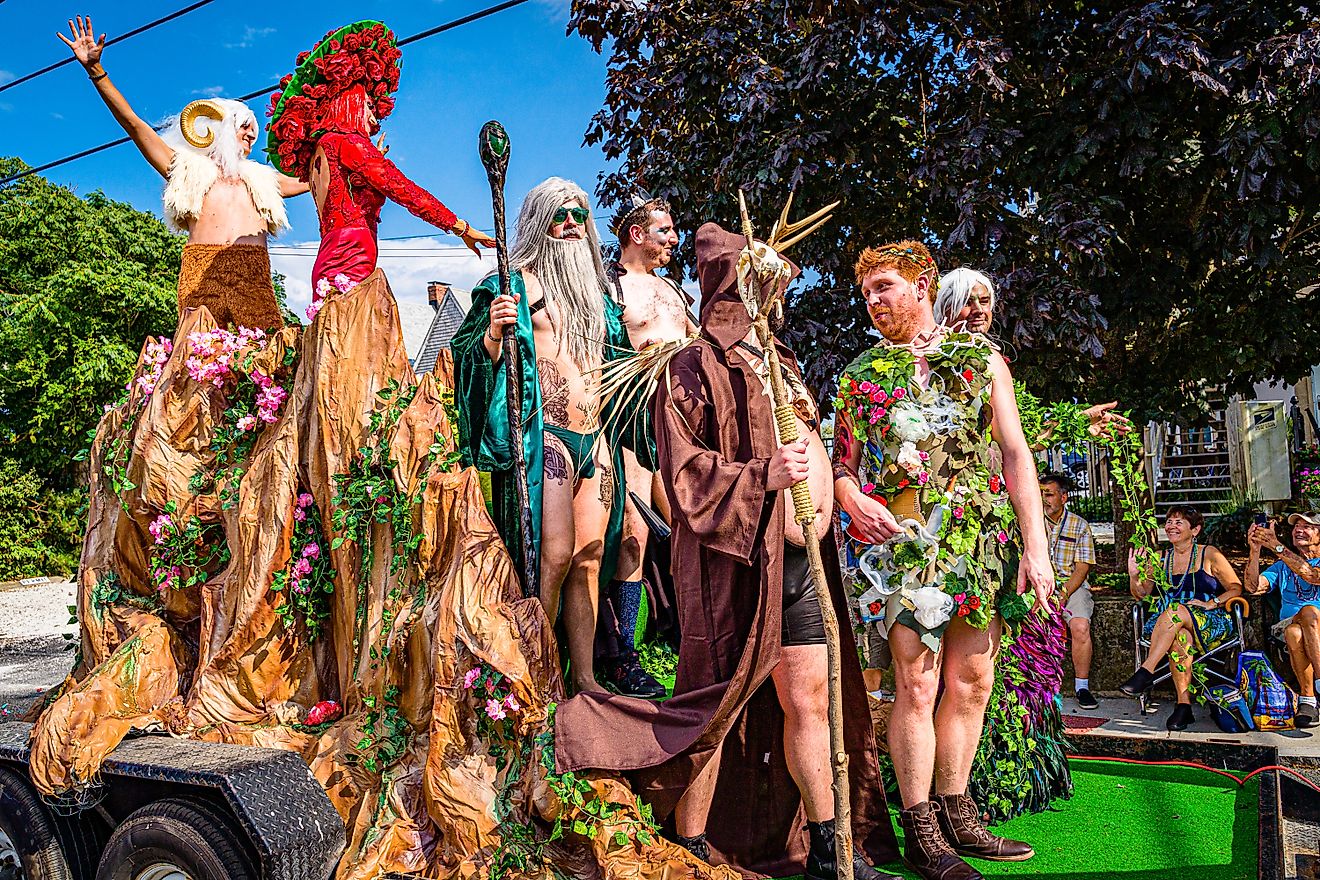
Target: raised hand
{"x": 86, "y": 47}
{"x": 1105, "y": 421}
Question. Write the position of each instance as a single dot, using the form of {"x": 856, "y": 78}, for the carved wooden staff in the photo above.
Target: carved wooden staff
{"x": 804, "y": 510}
{"x": 493, "y": 143}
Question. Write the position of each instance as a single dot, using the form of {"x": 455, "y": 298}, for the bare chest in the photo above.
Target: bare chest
{"x": 653, "y": 311}
{"x": 228, "y": 216}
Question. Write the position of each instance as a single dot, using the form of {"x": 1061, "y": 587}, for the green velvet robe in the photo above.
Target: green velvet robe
{"x": 479, "y": 394}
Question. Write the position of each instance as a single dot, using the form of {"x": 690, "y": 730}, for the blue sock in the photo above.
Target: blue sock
{"x": 629, "y": 606}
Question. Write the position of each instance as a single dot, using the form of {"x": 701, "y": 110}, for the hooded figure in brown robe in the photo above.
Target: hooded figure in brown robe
{"x": 714, "y": 431}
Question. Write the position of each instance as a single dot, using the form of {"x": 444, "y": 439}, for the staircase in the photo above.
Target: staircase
{"x": 1192, "y": 466}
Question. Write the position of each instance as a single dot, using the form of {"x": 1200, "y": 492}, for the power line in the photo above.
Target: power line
{"x": 119, "y": 39}
{"x": 467, "y": 19}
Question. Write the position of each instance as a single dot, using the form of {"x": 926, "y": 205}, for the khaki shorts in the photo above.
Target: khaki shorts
{"x": 1080, "y": 604}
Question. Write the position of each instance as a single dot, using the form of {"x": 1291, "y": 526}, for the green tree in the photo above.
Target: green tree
{"x": 82, "y": 282}
{"x": 1140, "y": 178}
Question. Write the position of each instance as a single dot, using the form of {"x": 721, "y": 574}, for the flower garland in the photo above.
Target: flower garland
{"x": 228, "y": 361}
{"x": 184, "y": 554}
{"x": 308, "y": 580}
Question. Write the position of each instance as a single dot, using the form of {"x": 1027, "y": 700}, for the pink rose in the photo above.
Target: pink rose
{"x": 302, "y": 567}
{"x": 900, "y": 393}
{"x": 305, "y": 499}
{"x": 311, "y": 551}
{"x": 470, "y": 678}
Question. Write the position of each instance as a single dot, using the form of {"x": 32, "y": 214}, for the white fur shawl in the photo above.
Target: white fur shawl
{"x": 192, "y": 176}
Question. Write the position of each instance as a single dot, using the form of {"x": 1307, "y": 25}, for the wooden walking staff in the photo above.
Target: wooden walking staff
{"x": 764, "y": 263}
{"x": 493, "y": 143}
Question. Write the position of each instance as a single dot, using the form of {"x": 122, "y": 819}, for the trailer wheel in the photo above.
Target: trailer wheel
{"x": 29, "y": 847}
{"x": 174, "y": 840}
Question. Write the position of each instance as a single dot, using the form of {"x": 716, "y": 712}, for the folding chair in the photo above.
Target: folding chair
{"x": 1220, "y": 662}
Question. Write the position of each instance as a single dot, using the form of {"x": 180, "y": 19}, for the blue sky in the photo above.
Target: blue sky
{"x": 517, "y": 66}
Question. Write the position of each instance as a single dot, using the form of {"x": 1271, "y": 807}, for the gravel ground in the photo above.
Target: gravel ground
{"x": 34, "y": 655}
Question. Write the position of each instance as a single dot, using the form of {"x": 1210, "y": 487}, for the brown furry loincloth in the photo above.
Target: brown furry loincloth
{"x": 233, "y": 281}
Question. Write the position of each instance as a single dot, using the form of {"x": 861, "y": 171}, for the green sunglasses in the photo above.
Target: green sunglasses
{"x": 580, "y": 215}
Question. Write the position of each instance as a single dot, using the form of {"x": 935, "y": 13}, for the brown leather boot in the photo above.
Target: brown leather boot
{"x": 926, "y": 850}
{"x": 960, "y": 820}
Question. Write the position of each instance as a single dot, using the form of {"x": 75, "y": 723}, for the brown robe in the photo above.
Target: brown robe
{"x": 714, "y": 435}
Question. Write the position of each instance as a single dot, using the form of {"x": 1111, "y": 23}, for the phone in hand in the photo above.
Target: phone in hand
{"x": 1261, "y": 519}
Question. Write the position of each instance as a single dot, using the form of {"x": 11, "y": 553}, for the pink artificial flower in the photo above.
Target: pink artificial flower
{"x": 511, "y": 704}
{"x": 866, "y": 387}
{"x": 470, "y": 679}
{"x": 382, "y": 499}
{"x": 868, "y": 488}
{"x": 299, "y": 514}
{"x": 924, "y": 456}
{"x": 302, "y": 567}
{"x": 960, "y": 598}
{"x": 311, "y": 551}
{"x": 878, "y": 397}
{"x": 900, "y": 393}
{"x": 495, "y": 709}
{"x": 313, "y": 310}
{"x": 305, "y": 499}
{"x": 161, "y": 527}
{"x": 923, "y": 478}
{"x": 874, "y": 417}
{"x": 958, "y": 512}
{"x": 326, "y": 710}
{"x": 1002, "y": 537}
{"x": 247, "y": 422}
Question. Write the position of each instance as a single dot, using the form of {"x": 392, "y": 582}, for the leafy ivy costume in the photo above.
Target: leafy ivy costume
{"x": 927, "y": 456}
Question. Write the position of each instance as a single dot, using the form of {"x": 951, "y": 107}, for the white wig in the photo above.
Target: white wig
{"x": 224, "y": 150}
{"x": 955, "y": 291}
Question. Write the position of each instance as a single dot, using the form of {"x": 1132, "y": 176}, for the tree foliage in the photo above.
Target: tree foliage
{"x": 82, "y": 282}
{"x": 1140, "y": 179}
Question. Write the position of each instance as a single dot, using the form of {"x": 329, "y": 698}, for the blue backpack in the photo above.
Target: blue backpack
{"x": 1270, "y": 700}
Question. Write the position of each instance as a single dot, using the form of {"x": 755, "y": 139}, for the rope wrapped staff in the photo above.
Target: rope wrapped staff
{"x": 759, "y": 264}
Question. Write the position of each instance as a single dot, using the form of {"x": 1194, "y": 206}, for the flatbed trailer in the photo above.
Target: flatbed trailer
{"x": 169, "y": 809}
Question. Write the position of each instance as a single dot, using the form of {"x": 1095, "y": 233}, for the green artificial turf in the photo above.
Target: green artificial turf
{"x": 1135, "y": 822}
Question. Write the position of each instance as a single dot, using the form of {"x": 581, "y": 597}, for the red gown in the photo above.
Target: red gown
{"x": 358, "y": 181}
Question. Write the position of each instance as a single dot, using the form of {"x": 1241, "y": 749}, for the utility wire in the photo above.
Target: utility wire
{"x": 458, "y": 22}
{"x": 119, "y": 39}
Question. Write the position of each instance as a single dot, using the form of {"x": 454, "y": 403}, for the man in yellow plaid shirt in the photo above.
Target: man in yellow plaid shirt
{"x": 1072, "y": 549}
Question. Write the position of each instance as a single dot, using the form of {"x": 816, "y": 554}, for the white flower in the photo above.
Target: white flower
{"x": 909, "y": 424}
{"x": 909, "y": 458}
{"x": 931, "y": 606}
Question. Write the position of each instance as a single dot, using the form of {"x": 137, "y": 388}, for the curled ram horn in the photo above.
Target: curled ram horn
{"x": 188, "y": 122}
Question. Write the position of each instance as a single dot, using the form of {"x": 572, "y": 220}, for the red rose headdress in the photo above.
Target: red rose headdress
{"x": 363, "y": 54}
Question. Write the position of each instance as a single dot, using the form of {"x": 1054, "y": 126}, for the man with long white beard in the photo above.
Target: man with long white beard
{"x": 227, "y": 203}
{"x": 566, "y": 326}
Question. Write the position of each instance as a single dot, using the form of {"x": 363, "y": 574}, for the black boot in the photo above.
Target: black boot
{"x": 1180, "y": 717}
{"x": 1139, "y": 683}
{"x": 622, "y": 673}
{"x": 822, "y": 863}
{"x": 695, "y": 845}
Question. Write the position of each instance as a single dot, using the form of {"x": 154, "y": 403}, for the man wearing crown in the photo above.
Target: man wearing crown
{"x": 933, "y": 540}
{"x": 227, "y": 203}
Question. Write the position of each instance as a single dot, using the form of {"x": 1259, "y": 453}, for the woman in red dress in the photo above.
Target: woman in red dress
{"x": 321, "y": 122}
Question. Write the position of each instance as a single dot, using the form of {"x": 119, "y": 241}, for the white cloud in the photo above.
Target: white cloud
{"x": 210, "y": 91}
{"x": 250, "y": 36}
{"x": 5, "y": 76}
{"x": 57, "y": 116}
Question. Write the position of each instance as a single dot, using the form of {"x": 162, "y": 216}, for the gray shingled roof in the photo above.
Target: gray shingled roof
{"x": 453, "y": 309}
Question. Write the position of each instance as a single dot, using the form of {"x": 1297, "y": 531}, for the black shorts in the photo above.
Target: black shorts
{"x": 801, "y": 621}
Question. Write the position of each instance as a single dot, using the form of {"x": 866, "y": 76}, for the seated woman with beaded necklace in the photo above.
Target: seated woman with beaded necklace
{"x": 1191, "y": 617}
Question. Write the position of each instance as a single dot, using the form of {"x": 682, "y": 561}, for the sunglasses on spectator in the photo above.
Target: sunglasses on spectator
{"x": 580, "y": 215}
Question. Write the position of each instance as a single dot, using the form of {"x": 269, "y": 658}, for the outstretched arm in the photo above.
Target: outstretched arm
{"x": 360, "y": 155}
{"x": 87, "y": 49}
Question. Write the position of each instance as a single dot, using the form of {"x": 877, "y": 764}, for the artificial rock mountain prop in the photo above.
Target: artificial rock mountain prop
{"x": 277, "y": 523}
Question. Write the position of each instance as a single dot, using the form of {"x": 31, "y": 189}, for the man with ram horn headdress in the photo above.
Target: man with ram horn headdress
{"x": 227, "y": 203}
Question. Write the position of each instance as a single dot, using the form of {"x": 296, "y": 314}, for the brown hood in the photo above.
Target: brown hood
{"x": 724, "y": 318}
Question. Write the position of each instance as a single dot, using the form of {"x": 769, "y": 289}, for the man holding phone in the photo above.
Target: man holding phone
{"x": 1296, "y": 575}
